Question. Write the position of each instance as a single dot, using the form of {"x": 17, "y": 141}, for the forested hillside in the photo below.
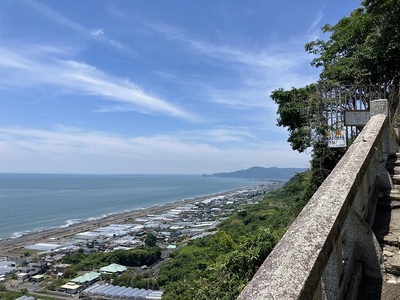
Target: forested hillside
{"x": 261, "y": 173}
{"x": 220, "y": 265}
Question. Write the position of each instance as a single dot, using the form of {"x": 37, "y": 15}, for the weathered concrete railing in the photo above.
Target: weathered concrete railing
{"x": 331, "y": 243}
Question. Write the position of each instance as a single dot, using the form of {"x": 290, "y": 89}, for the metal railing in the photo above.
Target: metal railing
{"x": 330, "y": 242}
{"x": 334, "y": 100}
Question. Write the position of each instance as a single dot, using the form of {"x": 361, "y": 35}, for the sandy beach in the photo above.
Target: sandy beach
{"x": 9, "y": 246}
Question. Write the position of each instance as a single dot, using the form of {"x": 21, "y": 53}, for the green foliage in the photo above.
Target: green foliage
{"x": 141, "y": 281}
{"x": 10, "y": 295}
{"x": 150, "y": 240}
{"x": 194, "y": 257}
{"x": 296, "y": 108}
{"x": 136, "y": 257}
{"x": 323, "y": 161}
{"x": 276, "y": 211}
{"x": 363, "y": 47}
{"x": 124, "y": 279}
{"x": 250, "y": 254}
{"x": 300, "y": 111}
{"x": 131, "y": 258}
{"x": 219, "y": 266}
{"x": 52, "y": 287}
{"x": 71, "y": 271}
{"x": 228, "y": 274}
{"x": 74, "y": 257}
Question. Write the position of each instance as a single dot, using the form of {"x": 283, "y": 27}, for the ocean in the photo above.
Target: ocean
{"x": 31, "y": 202}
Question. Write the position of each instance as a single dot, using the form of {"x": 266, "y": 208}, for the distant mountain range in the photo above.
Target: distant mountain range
{"x": 261, "y": 173}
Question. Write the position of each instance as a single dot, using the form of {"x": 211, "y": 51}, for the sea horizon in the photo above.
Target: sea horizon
{"x": 31, "y": 202}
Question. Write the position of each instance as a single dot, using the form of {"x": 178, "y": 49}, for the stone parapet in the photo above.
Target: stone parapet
{"x": 318, "y": 254}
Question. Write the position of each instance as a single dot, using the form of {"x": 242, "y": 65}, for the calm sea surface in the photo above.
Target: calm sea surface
{"x": 30, "y": 202}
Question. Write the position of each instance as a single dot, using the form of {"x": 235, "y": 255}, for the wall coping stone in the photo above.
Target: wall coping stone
{"x": 294, "y": 268}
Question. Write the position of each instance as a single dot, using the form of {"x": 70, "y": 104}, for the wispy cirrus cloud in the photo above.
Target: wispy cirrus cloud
{"x": 100, "y": 35}
{"x": 97, "y": 34}
{"x": 267, "y": 58}
{"x": 56, "y": 16}
{"x": 314, "y": 29}
{"x": 79, "y": 77}
{"x": 256, "y": 70}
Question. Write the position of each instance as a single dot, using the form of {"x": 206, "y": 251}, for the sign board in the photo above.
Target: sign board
{"x": 336, "y": 138}
{"x": 356, "y": 117}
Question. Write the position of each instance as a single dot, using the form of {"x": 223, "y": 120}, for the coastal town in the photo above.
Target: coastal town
{"x": 33, "y": 263}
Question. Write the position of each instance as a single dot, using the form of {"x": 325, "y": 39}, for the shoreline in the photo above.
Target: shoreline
{"x": 7, "y": 245}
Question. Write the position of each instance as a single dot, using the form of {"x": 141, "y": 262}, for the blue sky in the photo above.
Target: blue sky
{"x": 176, "y": 86}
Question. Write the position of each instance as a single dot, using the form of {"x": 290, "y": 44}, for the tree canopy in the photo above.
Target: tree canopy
{"x": 219, "y": 266}
{"x": 363, "y": 47}
{"x": 296, "y": 111}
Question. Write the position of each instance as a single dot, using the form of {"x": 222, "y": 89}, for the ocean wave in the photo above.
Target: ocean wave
{"x": 70, "y": 222}
{"x": 74, "y": 221}
{"x": 19, "y": 234}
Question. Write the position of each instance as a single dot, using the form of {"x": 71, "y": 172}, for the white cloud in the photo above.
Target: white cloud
{"x": 270, "y": 58}
{"x": 79, "y": 77}
{"x": 100, "y": 35}
{"x": 319, "y": 16}
{"x": 254, "y": 71}
{"x": 74, "y": 150}
{"x": 117, "y": 45}
{"x": 314, "y": 30}
{"x": 55, "y": 16}
{"x": 97, "y": 32}
{"x": 221, "y": 135}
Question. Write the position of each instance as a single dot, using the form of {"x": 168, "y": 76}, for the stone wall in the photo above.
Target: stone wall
{"x": 331, "y": 238}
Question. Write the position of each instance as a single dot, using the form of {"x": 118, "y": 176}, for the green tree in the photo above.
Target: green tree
{"x": 125, "y": 279}
{"x": 74, "y": 257}
{"x": 219, "y": 266}
{"x": 225, "y": 277}
{"x": 195, "y": 257}
{"x": 71, "y": 272}
{"x": 150, "y": 240}
{"x": 301, "y": 112}
{"x": 363, "y": 47}
{"x": 131, "y": 258}
{"x": 297, "y": 110}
